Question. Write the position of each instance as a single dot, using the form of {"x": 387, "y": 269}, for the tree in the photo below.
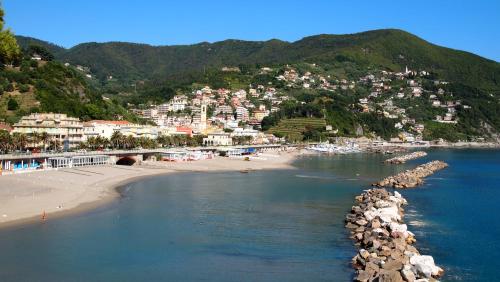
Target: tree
{"x": 5, "y": 141}
{"x": 12, "y": 105}
{"x": 130, "y": 142}
{"x": 9, "y": 87}
{"x": 19, "y": 140}
{"x": 117, "y": 140}
{"x": 9, "y": 50}
{"x": 35, "y": 139}
{"x": 41, "y": 51}
{"x": 44, "y": 138}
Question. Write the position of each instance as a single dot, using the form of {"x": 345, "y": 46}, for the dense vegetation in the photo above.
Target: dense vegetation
{"x": 51, "y": 87}
{"x": 391, "y": 49}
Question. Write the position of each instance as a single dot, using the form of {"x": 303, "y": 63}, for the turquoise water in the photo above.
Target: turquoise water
{"x": 262, "y": 226}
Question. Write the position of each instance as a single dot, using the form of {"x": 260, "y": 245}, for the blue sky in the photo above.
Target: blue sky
{"x": 473, "y": 26}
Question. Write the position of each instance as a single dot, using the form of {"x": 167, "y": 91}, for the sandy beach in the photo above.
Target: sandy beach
{"x": 27, "y": 196}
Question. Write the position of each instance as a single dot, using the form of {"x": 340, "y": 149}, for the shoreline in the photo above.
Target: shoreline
{"x": 67, "y": 192}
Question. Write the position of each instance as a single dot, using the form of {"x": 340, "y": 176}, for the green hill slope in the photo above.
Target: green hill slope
{"x": 391, "y": 49}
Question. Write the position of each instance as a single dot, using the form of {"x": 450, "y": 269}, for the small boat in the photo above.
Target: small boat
{"x": 244, "y": 171}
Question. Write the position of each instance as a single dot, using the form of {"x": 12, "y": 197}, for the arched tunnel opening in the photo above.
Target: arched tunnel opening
{"x": 126, "y": 161}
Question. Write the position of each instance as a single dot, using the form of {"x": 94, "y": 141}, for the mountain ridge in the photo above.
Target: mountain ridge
{"x": 392, "y": 49}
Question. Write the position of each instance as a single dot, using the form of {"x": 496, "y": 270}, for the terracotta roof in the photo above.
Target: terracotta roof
{"x": 4, "y": 126}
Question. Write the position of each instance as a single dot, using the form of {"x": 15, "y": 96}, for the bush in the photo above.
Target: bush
{"x": 9, "y": 88}
{"x": 12, "y": 105}
{"x": 23, "y": 88}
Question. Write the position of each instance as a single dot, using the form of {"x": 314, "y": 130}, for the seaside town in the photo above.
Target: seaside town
{"x": 221, "y": 117}
{"x": 288, "y": 146}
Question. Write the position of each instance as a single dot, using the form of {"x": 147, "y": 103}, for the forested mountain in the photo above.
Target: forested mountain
{"x": 26, "y": 42}
{"x": 389, "y": 49}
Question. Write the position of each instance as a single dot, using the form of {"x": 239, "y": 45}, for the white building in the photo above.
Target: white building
{"x": 218, "y": 139}
{"x": 242, "y": 114}
{"x": 102, "y": 128}
{"x": 241, "y": 132}
{"x": 178, "y": 103}
{"x": 150, "y": 113}
{"x": 137, "y": 130}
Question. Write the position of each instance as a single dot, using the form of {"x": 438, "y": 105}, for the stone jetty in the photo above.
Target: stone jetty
{"x": 413, "y": 177}
{"x": 386, "y": 251}
{"x": 403, "y": 159}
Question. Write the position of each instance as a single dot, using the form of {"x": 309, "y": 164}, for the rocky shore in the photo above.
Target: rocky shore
{"x": 413, "y": 177}
{"x": 403, "y": 159}
{"x": 385, "y": 245}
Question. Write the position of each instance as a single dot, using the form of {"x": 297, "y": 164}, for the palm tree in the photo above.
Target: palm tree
{"x": 92, "y": 142}
{"x": 19, "y": 140}
{"x": 35, "y": 139}
{"x": 5, "y": 141}
{"x": 44, "y": 138}
{"x": 54, "y": 144}
{"x": 130, "y": 142}
{"x": 147, "y": 143}
{"x": 101, "y": 142}
{"x": 117, "y": 140}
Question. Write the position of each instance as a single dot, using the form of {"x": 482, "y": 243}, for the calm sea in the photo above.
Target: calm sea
{"x": 262, "y": 226}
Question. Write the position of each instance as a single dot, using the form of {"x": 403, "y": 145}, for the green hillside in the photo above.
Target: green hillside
{"x": 24, "y": 42}
{"x": 390, "y": 49}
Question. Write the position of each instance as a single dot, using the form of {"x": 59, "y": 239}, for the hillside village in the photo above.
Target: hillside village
{"x": 241, "y": 111}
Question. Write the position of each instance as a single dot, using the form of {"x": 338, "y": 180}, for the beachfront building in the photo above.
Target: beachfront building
{"x": 137, "y": 130}
{"x": 102, "y": 128}
{"x": 245, "y": 132}
{"x": 218, "y": 139}
{"x": 66, "y": 130}
{"x": 77, "y": 161}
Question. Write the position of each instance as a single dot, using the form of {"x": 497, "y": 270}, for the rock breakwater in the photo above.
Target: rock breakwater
{"x": 386, "y": 251}
{"x": 413, "y": 177}
{"x": 403, "y": 159}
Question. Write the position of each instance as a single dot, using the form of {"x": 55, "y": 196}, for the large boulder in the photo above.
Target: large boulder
{"x": 364, "y": 253}
{"x": 363, "y": 276}
{"x": 393, "y": 265}
{"x": 361, "y": 222}
{"x": 391, "y": 276}
{"x": 399, "y": 230}
{"x": 408, "y": 274}
{"x": 424, "y": 266}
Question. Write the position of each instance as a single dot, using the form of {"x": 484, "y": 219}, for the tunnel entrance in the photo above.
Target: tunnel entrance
{"x": 126, "y": 161}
